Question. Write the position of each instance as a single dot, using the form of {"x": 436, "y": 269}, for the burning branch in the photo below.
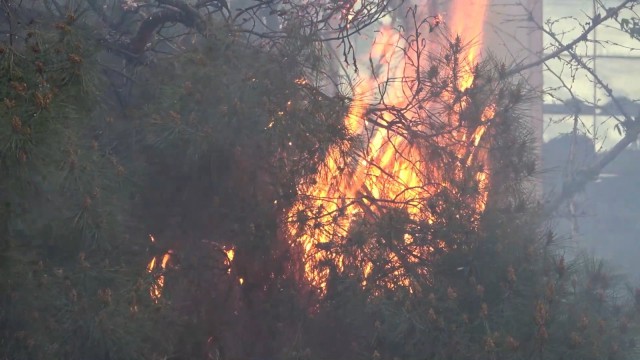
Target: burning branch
{"x": 422, "y": 150}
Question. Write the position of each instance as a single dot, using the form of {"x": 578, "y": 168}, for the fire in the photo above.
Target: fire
{"x": 467, "y": 20}
{"x": 155, "y": 290}
{"x": 158, "y": 265}
{"x": 389, "y": 170}
{"x": 230, "y": 253}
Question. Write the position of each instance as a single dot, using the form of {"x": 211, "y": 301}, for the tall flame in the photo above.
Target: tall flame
{"x": 389, "y": 170}
{"x": 467, "y": 20}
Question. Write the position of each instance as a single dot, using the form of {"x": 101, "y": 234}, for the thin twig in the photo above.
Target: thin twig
{"x": 590, "y": 173}
{"x": 611, "y": 12}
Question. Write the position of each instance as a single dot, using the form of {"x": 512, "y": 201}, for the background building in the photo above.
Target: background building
{"x": 604, "y": 218}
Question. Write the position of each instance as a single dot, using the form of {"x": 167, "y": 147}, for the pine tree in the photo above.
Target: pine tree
{"x": 146, "y": 194}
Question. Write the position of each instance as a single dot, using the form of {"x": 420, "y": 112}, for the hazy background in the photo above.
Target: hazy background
{"x": 607, "y": 216}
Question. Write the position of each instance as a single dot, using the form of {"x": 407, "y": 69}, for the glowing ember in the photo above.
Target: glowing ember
{"x": 231, "y": 252}
{"x": 158, "y": 283}
{"x": 390, "y": 170}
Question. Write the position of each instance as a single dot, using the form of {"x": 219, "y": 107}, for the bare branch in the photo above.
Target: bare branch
{"x": 180, "y": 12}
{"x": 596, "y": 22}
{"x": 590, "y": 173}
{"x": 591, "y": 72}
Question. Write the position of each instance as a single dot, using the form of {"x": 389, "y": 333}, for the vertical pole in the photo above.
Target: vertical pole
{"x": 595, "y": 88}
{"x": 536, "y": 81}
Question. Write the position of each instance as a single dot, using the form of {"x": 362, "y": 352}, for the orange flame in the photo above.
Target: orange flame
{"x": 159, "y": 265}
{"x": 155, "y": 290}
{"x": 231, "y": 252}
{"x": 389, "y": 169}
{"x": 467, "y": 21}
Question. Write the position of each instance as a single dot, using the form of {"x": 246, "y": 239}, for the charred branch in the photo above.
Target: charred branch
{"x": 176, "y": 12}
{"x": 590, "y": 173}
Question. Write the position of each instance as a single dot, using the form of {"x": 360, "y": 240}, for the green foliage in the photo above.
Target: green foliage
{"x": 68, "y": 286}
{"x": 58, "y": 174}
{"x": 223, "y": 144}
{"x": 507, "y": 292}
{"x": 498, "y": 288}
{"x": 206, "y": 154}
